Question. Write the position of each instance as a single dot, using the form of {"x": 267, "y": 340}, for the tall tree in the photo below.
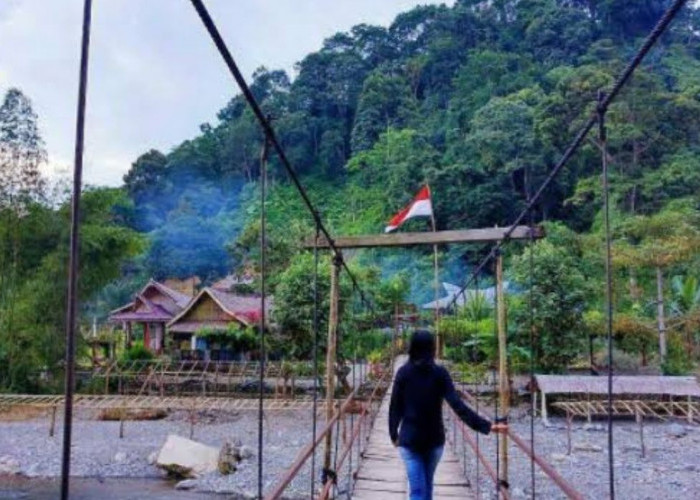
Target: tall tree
{"x": 21, "y": 154}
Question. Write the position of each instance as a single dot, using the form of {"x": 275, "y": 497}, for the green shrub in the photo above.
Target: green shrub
{"x": 678, "y": 360}
{"x": 137, "y": 352}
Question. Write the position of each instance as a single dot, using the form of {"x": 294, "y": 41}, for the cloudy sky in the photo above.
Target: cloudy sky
{"x": 154, "y": 73}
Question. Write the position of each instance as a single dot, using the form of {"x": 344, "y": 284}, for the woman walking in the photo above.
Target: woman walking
{"x": 415, "y": 414}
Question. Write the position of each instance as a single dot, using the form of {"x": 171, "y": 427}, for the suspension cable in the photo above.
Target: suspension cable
{"x": 602, "y": 136}
{"x": 271, "y": 135}
{"x": 72, "y": 299}
{"x": 314, "y": 416}
{"x": 478, "y": 479}
{"x": 263, "y": 256}
{"x": 496, "y": 387}
{"x": 622, "y": 80}
{"x": 531, "y": 247}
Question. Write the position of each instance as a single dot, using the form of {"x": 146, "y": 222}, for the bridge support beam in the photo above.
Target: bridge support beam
{"x": 504, "y": 385}
{"x": 331, "y": 356}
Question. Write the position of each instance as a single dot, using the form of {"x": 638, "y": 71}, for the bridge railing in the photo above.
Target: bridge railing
{"x": 367, "y": 412}
{"x": 566, "y": 487}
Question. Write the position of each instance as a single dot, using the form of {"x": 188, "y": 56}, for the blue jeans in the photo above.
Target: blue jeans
{"x": 420, "y": 468}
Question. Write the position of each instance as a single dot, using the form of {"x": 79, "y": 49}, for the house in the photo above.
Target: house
{"x": 151, "y": 310}
{"x": 227, "y": 283}
{"x": 203, "y": 329}
{"x": 457, "y": 297}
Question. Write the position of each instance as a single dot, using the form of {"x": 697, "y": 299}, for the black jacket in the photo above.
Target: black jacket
{"x": 416, "y": 405}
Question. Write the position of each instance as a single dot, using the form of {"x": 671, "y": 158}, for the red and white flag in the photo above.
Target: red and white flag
{"x": 421, "y": 206}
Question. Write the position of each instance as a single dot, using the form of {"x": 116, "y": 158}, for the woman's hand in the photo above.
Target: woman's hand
{"x": 499, "y": 428}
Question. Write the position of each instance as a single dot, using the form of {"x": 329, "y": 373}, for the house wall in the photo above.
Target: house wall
{"x": 206, "y": 310}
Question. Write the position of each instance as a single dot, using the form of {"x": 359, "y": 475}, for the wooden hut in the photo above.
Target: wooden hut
{"x": 194, "y": 329}
{"x": 152, "y": 309}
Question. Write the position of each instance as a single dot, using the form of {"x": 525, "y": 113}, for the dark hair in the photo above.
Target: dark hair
{"x": 422, "y": 347}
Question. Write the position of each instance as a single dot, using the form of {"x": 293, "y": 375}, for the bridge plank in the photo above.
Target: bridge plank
{"x": 382, "y": 475}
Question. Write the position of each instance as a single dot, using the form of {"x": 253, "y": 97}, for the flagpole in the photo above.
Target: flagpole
{"x": 436, "y": 283}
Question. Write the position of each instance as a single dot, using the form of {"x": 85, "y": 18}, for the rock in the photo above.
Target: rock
{"x": 246, "y": 452}
{"x": 120, "y": 457}
{"x": 187, "y": 484}
{"x": 593, "y": 427}
{"x": 228, "y": 458}
{"x": 559, "y": 457}
{"x": 9, "y": 466}
{"x": 185, "y": 458}
{"x": 152, "y": 458}
{"x": 588, "y": 447}
{"x": 676, "y": 430}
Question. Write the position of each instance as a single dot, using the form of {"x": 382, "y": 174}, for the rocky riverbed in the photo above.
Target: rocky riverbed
{"x": 98, "y": 452}
{"x": 670, "y": 469}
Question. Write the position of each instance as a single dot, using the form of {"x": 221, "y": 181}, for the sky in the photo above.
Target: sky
{"x": 154, "y": 74}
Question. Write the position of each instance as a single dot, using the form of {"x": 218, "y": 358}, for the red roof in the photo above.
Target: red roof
{"x": 142, "y": 309}
{"x": 244, "y": 308}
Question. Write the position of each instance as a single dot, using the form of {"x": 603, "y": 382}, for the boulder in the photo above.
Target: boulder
{"x": 120, "y": 457}
{"x": 185, "y": 458}
{"x": 187, "y": 484}
{"x": 9, "y": 466}
{"x": 228, "y": 458}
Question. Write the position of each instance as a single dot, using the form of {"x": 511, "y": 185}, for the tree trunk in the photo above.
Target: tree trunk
{"x": 661, "y": 320}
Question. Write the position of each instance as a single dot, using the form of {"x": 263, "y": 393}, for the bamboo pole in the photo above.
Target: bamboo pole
{"x": 504, "y": 386}
{"x": 436, "y": 283}
{"x": 331, "y": 356}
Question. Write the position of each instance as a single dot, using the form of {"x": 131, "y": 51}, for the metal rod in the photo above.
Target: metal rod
{"x": 314, "y": 416}
{"x": 602, "y": 137}
{"x": 72, "y": 299}
{"x": 263, "y": 254}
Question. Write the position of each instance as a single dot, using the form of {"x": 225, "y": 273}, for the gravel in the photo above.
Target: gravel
{"x": 669, "y": 470}
{"x": 99, "y": 452}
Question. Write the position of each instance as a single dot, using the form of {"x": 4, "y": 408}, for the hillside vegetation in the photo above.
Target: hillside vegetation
{"x": 479, "y": 100}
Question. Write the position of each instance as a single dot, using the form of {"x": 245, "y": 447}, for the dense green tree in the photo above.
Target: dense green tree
{"x": 559, "y": 294}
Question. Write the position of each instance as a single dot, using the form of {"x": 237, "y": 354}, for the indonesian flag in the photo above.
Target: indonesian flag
{"x": 421, "y": 206}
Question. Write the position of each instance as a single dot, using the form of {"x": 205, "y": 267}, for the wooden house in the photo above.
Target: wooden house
{"x": 194, "y": 330}
{"x": 152, "y": 309}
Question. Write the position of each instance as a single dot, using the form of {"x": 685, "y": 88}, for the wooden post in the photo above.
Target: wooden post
{"x": 436, "y": 285}
{"x": 52, "y": 429}
{"x": 569, "y": 418}
{"x": 504, "y": 386}
{"x": 543, "y": 412}
{"x": 640, "y": 421}
{"x": 690, "y": 409}
{"x": 121, "y": 423}
{"x": 331, "y": 355}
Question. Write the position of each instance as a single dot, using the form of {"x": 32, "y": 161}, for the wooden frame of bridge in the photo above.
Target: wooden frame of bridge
{"x": 387, "y": 240}
{"x": 487, "y": 235}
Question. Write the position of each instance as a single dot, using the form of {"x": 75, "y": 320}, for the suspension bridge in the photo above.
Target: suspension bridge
{"x": 378, "y": 472}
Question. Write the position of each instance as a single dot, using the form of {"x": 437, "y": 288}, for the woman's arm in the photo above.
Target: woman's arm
{"x": 466, "y": 414}
{"x": 396, "y": 409}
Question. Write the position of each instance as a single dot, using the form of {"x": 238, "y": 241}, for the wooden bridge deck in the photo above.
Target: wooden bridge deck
{"x": 382, "y": 475}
